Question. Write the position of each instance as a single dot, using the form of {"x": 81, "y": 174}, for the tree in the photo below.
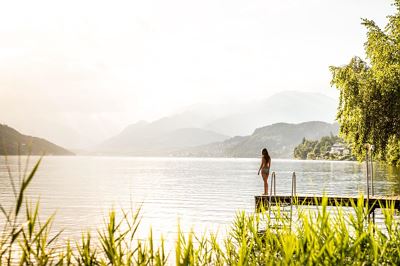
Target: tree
{"x": 302, "y": 150}
{"x": 369, "y": 103}
{"x": 320, "y": 149}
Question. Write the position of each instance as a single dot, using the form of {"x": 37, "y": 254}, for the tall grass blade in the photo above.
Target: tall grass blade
{"x": 24, "y": 185}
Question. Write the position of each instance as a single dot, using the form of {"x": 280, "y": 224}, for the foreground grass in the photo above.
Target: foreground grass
{"x": 318, "y": 237}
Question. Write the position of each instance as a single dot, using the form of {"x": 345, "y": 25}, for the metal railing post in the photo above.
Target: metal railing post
{"x": 370, "y": 177}
{"x": 371, "y": 152}
{"x": 372, "y": 169}
{"x": 367, "y": 164}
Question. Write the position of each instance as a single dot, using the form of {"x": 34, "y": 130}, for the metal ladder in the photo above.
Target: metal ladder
{"x": 273, "y": 192}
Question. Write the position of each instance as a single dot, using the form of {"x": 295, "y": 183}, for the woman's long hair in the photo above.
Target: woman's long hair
{"x": 266, "y": 155}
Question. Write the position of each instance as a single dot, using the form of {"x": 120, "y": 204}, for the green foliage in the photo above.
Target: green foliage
{"x": 369, "y": 105}
{"x": 320, "y": 150}
{"x": 316, "y": 237}
{"x": 393, "y": 151}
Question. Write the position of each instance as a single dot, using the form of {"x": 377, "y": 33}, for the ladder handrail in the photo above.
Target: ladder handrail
{"x": 273, "y": 185}
{"x": 292, "y": 196}
{"x": 294, "y": 184}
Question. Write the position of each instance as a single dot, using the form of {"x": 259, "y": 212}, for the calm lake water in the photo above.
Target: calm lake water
{"x": 200, "y": 193}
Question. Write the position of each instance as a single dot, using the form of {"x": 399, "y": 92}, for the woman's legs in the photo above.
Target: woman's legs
{"x": 265, "y": 178}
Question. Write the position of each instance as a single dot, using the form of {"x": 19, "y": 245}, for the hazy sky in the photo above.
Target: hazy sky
{"x": 92, "y": 67}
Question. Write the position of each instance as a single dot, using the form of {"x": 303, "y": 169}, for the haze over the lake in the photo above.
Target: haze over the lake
{"x": 87, "y": 69}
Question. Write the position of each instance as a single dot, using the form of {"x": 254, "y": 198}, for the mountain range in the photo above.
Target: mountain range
{"x": 13, "y": 142}
{"x": 156, "y": 139}
{"x": 280, "y": 139}
{"x": 208, "y": 130}
{"x": 203, "y": 124}
{"x": 288, "y": 106}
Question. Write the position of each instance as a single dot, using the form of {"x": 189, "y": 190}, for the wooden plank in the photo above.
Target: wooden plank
{"x": 373, "y": 203}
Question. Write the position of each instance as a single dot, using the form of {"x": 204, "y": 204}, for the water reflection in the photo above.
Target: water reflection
{"x": 201, "y": 193}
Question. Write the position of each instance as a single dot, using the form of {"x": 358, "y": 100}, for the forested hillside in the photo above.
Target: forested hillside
{"x": 13, "y": 142}
{"x": 280, "y": 139}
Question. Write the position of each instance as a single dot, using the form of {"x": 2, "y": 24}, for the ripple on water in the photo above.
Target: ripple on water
{"x": 200, "y": 193}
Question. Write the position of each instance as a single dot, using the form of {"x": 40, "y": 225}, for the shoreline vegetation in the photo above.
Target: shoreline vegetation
{"x": 332, "y": 148}
{"x": 322, "y": 236}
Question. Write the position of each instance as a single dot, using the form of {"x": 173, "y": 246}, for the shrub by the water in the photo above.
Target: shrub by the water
{"x": 320, "y": 237}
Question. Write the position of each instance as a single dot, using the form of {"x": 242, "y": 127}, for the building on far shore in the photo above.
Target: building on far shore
{"x": 339, "y": 149}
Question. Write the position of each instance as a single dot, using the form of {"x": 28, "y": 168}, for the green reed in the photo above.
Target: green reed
{"x": 324, "y": 236}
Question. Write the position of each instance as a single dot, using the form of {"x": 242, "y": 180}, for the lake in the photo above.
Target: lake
{"x": 200, "y": 193}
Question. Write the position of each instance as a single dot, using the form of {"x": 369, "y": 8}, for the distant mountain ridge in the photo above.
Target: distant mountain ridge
{"x": 241, "y": 119}
{"x": 279, "y": 138}
{"x": 202, "y": 124}
{"x": 13, "y": 142}
{"x": 147, "y": 139}
{"x": 287, "y": 106}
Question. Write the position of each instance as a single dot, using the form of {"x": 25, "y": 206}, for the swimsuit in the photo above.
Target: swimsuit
{"x": 265, "y": 170}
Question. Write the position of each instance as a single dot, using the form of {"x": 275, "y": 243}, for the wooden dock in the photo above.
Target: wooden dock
{"x": 374, "y": 202}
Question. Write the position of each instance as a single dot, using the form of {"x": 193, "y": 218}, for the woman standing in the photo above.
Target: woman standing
{"x": 264, "y": 168}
